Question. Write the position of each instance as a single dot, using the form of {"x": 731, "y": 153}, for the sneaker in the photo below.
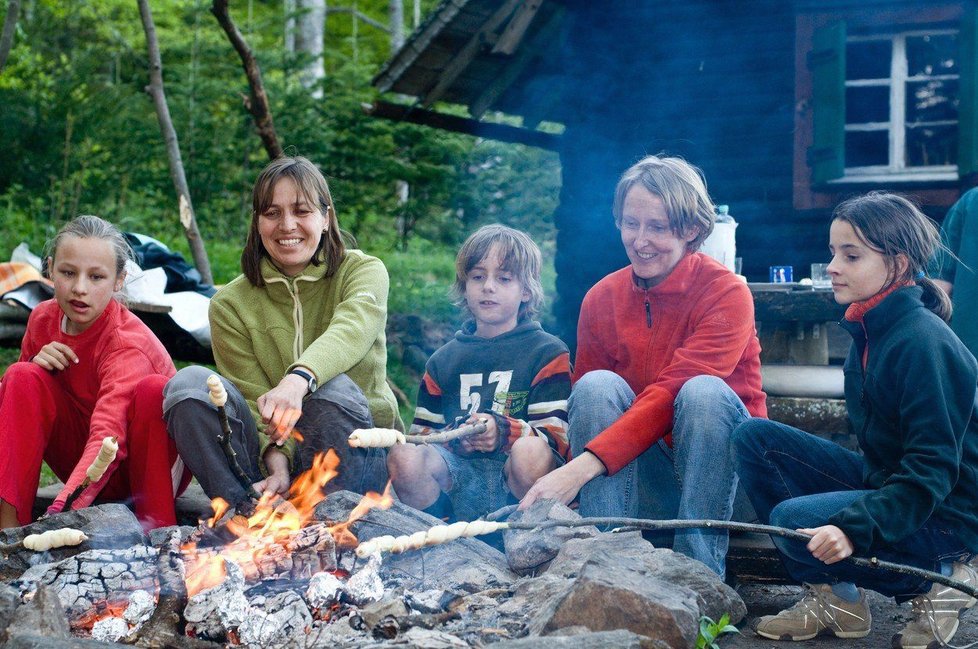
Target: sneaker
{"x": 820, "y": 612}
{"x": 936, "y": 612}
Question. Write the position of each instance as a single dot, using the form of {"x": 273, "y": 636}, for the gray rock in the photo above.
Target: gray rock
{"x": 111, "y": 525}
{"x": 529, "y": 550}
{"x": 633, "y": 553}
{"x": 9, "y": 603}
{"x": 461, "y": 566}
{"x": 43, "y": 615}
{"x": 585, "y": 639}
{"x": 419, "y": 638}
{"x": 372, "y": 614}
{"x": 32, "y": 641}
{"x": 607, "y": 596}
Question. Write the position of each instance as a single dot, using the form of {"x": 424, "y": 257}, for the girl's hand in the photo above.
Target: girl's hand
{"x": 828, "y": 544}
{"x": 486, "y": 442}
{"x": 55, "y": 356}
{"x": 277, "y": 483}
{"x": 563, "y": 484}
{"x": 281, "y": 407}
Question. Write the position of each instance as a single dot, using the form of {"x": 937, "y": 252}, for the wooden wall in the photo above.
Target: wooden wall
{"x": 711, "y": 81}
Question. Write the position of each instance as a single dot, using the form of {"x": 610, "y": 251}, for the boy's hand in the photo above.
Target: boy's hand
{"x": 55, "y": 356}
{"x": 281, "y": 407}
{"x": 486, "y": 442}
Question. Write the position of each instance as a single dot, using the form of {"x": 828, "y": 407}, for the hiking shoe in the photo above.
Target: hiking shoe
{"x": 820, "y": 612}
{"x": 936, "y": 612}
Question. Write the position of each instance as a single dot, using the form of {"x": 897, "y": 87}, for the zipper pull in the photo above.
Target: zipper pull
{"x": 648, "y": 314}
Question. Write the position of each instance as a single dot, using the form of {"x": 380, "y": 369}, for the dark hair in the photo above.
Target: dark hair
{"x": 893, "y": 225}
{"x": 92, "y": 227}
{"x": 518, "y": 255}
{"x": 312, "y": 185}
{"x": 682, "y": 188}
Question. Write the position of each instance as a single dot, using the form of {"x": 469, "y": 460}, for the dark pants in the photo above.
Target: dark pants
{"x": 329, "y": 415}
{"x": 797, "y": 480}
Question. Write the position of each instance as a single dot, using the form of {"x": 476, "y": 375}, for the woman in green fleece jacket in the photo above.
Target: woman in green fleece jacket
{"x": 299, "y": 343}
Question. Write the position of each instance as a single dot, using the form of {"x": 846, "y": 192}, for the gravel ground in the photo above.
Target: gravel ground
{"x": 888, "y": 619}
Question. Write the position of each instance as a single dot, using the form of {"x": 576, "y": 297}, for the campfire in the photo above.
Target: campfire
{"x": 294, "y": 574}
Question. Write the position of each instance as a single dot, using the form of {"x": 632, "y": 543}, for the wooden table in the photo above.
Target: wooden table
{"x": 794, "y": 321}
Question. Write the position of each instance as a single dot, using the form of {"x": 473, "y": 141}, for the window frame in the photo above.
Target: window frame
{"x": 896, "y": 127}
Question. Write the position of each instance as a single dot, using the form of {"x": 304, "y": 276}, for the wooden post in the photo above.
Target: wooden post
{"x": 155, "y": 90}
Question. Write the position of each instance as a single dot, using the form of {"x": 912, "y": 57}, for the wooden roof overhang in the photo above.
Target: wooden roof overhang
{"x": 485, "y": 55}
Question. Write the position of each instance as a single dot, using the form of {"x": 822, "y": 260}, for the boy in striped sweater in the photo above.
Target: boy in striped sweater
{"x": 501, "y": 369}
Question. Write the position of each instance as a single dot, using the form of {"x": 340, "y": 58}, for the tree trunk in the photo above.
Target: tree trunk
{"x": 395, "y": 11}
{"x": 257, "y": 101}
{"x": 289, "y": 8}
{"x": 9, "y": 26}
{"x": 155, "y": 89}
{"x": 310, "y": 24}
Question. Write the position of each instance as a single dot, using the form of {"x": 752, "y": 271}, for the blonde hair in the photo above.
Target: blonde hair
{"x": 518, "y": 255}
{"x": 681, "y": 187}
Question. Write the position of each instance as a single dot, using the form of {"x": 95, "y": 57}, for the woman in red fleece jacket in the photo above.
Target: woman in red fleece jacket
{"x": 668, "y": 364}
{"x": 89, "y": 369}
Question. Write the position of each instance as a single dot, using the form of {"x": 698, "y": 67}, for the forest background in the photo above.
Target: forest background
{"x": 80, "y": 135}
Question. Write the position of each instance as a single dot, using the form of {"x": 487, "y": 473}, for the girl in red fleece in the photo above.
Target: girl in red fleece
{"x": 88, "y": 369}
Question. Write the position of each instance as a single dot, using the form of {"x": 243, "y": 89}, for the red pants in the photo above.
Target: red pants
{"x": 39, "y": 421}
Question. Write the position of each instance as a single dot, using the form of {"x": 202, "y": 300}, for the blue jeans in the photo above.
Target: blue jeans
{"x": 797, "y": 480}
{"x": 693, "y": 479}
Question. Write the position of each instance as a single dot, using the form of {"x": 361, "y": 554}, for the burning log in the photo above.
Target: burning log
{"x": 296, "y": 555}
{"x": 106, "y": 455}
{"x": 387, "y": 437}
{"x": 219, "y": 397}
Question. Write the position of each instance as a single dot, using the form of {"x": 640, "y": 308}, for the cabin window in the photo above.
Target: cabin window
{"x": 901, "y": 104}
{"x": 893, "y": 107}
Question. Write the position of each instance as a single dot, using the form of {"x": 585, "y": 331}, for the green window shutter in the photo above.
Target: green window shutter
{"x": 827, "y": 62}
{"x": 968, "y": 101}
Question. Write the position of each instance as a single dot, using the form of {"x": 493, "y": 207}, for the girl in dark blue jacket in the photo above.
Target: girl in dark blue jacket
{"x": 912, "y": 496}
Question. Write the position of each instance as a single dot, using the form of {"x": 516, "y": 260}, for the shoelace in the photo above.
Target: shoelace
{"x": 923, "y": 606}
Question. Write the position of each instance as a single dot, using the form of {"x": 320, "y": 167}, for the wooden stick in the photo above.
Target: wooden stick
{"x": 219, "y": 397}
{"x": 106, "y": 455}
{"x": 444, "y": 533}
{"x": 387, "y": 437}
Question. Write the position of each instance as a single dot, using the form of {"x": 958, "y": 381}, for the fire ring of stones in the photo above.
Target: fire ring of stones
{"x": 222, "y": 584}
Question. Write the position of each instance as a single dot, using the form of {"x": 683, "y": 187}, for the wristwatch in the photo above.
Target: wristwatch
{"x": 313, "y": 384}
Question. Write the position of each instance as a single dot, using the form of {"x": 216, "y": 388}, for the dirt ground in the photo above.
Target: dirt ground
{"x": 888, "y": 618}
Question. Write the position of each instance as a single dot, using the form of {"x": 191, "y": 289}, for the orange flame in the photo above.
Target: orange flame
{"x": 274, "y": 520}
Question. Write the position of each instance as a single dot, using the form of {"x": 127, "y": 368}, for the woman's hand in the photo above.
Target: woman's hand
{"x": 486, "y": 442}
{"x": 55, "y": 356}
{"x": 281, "y": 407}
{"x": 277, "y": 483}
{"x": 563, "y": 484}
{"x": 828, "y": 544}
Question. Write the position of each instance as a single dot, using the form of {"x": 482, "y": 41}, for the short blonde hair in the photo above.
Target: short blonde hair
{"x": 681, "y": 187}
{"x": 518, "y": 255}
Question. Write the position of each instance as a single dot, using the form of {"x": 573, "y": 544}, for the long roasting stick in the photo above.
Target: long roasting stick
{"x": 219, "y": 397}
{"x": 445, "y": 533}
{"x": 387, "y": 437}
{"x": 95, "y": 471}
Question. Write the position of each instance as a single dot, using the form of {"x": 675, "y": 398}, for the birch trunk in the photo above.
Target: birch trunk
{"x": 155, "y": 89}
{"x": 9, "y": 27}
{"x": 310, "y": 24}
{"x": 395, "y": 11}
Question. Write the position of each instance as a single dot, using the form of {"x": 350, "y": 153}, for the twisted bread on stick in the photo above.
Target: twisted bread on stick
{"x": 434, "y": 536}
{"x": 54, "y": 539}
{"x": 106, "y": 455}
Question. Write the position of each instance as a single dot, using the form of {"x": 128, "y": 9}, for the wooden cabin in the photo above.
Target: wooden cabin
{"x": 787, "y": 106}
